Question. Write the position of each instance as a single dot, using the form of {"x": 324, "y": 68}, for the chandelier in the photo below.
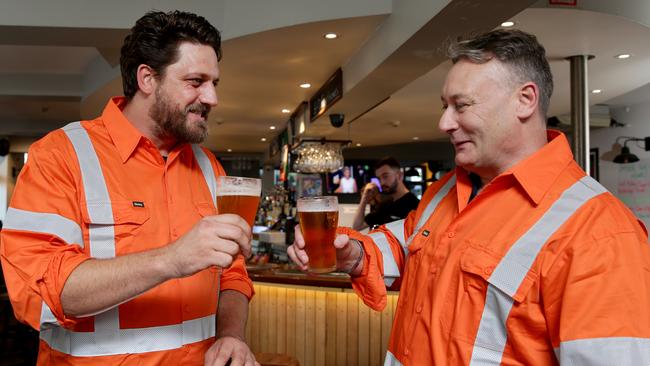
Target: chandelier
{"x": 319, "y": 156}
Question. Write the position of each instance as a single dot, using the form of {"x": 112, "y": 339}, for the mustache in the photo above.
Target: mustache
{"x": 198, "y": 108}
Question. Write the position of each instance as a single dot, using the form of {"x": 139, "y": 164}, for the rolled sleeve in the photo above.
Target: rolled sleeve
{"x": 236, "y": 278}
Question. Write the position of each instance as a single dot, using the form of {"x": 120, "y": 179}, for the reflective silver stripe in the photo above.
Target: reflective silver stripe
{"x": 208, "y": 172}
{"x": 101, "y": 229}
{"x": 433, "y": 204}
{"x": 47, "y": 317}
{"x": 621, "y": 351}
{"x": 492, "y": 334}
{"x": 91, "y": 173}
{"x": 391, "y": 271}
{"x": 44, "y": 223}
{"x": 512, "y": 269}
{"x": 510, "y": 272}
{"x": 397, "y": 229}
{"x": 131, "y": 340}
{"x": 391, "y": 360}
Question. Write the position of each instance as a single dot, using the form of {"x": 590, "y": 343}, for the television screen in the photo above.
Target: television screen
{"x": 350, "y": 179}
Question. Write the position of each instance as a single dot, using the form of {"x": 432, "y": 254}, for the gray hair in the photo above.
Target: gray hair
{"x": 519, "y": 51}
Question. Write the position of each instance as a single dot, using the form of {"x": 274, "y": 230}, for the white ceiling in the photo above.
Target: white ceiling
{"x": 260, "y": 73}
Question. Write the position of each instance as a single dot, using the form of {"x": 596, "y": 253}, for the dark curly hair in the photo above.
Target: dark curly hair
{"x": 154, "y": 41}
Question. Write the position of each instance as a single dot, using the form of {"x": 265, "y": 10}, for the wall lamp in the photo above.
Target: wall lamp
{"x": 626, "y": 156}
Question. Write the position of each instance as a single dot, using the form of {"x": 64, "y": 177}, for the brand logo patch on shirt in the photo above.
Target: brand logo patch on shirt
{"x": 138, "y": 204}
{"x": 425, "y": 233}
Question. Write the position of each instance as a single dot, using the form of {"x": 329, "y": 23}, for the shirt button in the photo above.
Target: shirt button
{"x": 433, "y": 270}
{"x": 451, "y": 234}
{"x": 488, "y": 270}
{"x": 419, "y": 308}
{"x": 406, "y": 351}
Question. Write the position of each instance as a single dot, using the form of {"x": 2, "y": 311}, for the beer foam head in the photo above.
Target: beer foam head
{"x": 238, "y": 186}
{"x": 318, "y": 204}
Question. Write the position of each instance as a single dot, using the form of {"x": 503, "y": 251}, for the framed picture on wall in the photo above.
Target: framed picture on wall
{"x": 593, "y": 163}
{"x": 309, "y": 185}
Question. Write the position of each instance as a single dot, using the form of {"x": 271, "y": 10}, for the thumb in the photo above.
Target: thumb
{"x": 341, "y": 241}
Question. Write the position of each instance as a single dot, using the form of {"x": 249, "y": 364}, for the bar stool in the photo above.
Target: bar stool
{"x": 275, "y": 359}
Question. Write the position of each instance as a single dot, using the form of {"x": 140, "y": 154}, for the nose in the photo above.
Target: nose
{"x": 209, "y": 95}
{"x": 448, "y": 121}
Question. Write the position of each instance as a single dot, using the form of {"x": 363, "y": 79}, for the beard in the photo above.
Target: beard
{"x": 389, "y": 189}
{"x": 172, "y": 123}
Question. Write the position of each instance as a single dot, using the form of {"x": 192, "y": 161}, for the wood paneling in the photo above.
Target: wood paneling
{"x": 318, "y": 326}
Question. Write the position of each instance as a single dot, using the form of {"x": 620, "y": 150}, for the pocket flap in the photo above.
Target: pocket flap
{"x": 114, "y": 213}
{"x": 205, "y": 208}
{"x": 501, "y": 273}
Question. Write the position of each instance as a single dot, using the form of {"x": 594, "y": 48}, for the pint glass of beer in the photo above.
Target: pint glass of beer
{"x": 319, "y": 218}
{"x": 238, "y": 195}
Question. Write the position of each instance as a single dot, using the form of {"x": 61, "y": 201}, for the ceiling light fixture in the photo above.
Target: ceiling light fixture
{"x": 623, "y": 56}
{"x": 229, "y": 150}
{"x": 596, "y": 91}
{"x": 508, "y": 24}
{"x": 286, "y": 111}
{"x": 330, "y": 35}
{"x": 358, "y": 144}
{"x": 263, "y": 139}
{"x": 319, "y": 156}
{"x": 271, "y": 127}
{"x": 305, "y": 85}
{"x": 416, "y": 138}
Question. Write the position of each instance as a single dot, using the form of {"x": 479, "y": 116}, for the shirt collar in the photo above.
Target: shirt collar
{"x": 539, "y": 171}
{"x": 124, "y": 135}
{"x": 534, "y": 174}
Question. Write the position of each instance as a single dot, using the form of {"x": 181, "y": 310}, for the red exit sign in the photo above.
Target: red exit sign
{"x": 563, "y": 2}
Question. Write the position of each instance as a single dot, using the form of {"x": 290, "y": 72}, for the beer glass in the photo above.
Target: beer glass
{"x": 239, "y": 195}
{"x": 319, "y": 218}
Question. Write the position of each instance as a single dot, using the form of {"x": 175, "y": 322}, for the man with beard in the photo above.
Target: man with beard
{"x": 393, "y": 203}
{"x": 113, "y": 246}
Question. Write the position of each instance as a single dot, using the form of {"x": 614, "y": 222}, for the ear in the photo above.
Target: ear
{"x": 147, "y": 80}
{"x": 527, "y": 100}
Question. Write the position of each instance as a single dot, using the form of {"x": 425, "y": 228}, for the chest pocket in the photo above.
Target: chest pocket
{"x": 113, "y": 226}
{"x": 479, "y": 290}
{"x": 205, "y": 209}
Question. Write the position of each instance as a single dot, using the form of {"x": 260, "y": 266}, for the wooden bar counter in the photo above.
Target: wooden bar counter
{"x": 318, "y": 320}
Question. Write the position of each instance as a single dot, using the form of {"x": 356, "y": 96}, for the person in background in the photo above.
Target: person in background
{"x": 347, "y": 184}
{"x": 113, "y": 246}
{"x": 517, "y": 257}
{"x": 399, "y": 200}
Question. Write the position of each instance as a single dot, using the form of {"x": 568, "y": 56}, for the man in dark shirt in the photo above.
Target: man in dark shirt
{"x": 400, "y": 201}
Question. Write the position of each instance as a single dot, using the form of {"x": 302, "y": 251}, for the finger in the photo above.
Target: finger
{"x": 298, "y": 240}
{"x": 233, "y": 219}
{"x": 221, "y": 259}
{"x": 235, "y": 234}
{"x": 341, "y": 241}
{"x": 226, "y": 246}
{"x": 291, "y": 251}
{"x": 237, "y": 359}
{"x": 223, "y": 356}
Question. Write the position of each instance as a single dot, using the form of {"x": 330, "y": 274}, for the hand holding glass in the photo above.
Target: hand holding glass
{"x": 319, "y": 218}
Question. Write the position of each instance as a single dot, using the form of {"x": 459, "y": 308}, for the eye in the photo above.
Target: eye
{"x": 195, "y": 81}
{"x": 461, "y": 106}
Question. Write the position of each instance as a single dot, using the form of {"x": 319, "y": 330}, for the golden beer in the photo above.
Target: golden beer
{"x": 244, "y": 206}
{"x": 239, "y": 195}
{"x": 319, "y": 218}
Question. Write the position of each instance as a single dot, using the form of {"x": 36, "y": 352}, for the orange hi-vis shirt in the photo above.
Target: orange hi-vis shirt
{"x": 542, "y": 267}
{"x": 100, "y": 189}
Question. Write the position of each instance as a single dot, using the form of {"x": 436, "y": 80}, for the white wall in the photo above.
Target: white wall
{"x": 637, "y": 124}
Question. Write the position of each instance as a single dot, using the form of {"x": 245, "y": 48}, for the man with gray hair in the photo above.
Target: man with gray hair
{"x": 517, "y": 257}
